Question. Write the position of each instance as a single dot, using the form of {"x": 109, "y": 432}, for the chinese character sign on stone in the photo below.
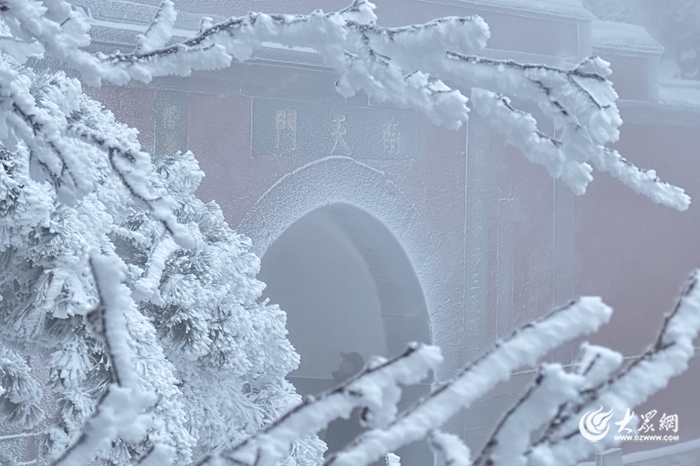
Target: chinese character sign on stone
{"x": 340, "y": 146}
{"x": 170, "y": 120}
{"x": 286, "y": 129}
{"x": 390, "y": 138}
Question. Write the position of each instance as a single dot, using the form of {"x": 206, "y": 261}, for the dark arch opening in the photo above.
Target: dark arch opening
{"x": 347, "y": 286}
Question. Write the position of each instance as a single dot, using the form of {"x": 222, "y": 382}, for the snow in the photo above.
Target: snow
{"x": 160, "y": 30}
{"x": 367, "y": 389}
{"x": 403, "y": 66}
{"x": 449, "y": 449}
{"x": 392, "y": 460}
{"x": 119, "y": 414}
{"x": 624, "y": 38}
{"x": 523, "y": 348}
{"x": 680, "y": 93}
{"x": 564, "y": 8}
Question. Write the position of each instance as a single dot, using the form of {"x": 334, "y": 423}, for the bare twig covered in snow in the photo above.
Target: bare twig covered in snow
{"x": 375, "y": 389}
{"x": 626, "y": 387}
{"x": 558, "y": 399}
{"x": 405, "y": 66}
{"x": 120, "y": 411}
{"x": 523, "y": 348}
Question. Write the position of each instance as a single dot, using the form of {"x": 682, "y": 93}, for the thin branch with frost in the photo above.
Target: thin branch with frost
{"x": 120, "y": 411}
{"x": 557, "y": 399}
{"x": 449, "y": 449}
{"x": 511, "y": 438}
{"x": 405, "y": 66}
{"x": 627, "y": 387}
{"x": 146, "y": 287}
{"x": 20, "y": 435}
{"x": 523, "y": 348}
{"x": 160, "y": 31}
{"x": 375, "y": 389}
{"x": 580, "y": 102}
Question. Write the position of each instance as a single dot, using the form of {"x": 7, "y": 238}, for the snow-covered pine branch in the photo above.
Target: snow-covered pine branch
{"x": 405, "y": 66}
{"x": 119, "y": 414}
{"x": 20, "y": 393}
{"x": 50, "y": 223}
{"x": 49, "y": 117}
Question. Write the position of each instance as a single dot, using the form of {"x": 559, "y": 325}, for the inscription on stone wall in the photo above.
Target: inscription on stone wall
{"x": 391, "y": 138}
{"x": 340, "y": 146}
{"x": 286, "y": 126}
{"x": 318, "y": 129}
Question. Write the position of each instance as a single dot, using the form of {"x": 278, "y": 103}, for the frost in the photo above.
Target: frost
{"x": 405, "y": 66}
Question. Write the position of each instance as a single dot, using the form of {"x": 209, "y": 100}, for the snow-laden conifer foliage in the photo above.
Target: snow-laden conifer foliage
{"x": 75, "y": 183}
{"x": 144, "y": 303}
{"x": 214, "y": 356}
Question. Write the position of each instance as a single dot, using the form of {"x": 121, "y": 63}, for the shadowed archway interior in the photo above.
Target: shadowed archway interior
{"x": 347, "y": 286}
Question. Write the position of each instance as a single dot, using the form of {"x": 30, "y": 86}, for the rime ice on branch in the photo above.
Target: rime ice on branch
{"x": 541, "y": 429}
{"x": 406, "y": 66}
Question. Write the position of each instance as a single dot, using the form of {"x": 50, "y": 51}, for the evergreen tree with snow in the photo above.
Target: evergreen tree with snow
{"x": 230, "y": 352}
{"x": 215, "y": 357}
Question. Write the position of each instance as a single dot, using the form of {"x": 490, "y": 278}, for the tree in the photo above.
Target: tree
{"x": 216, "y": 358}
{"x": 147, "y": 301}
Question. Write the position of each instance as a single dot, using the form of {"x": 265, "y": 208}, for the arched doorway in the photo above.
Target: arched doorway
{"x": 347, "y": 286}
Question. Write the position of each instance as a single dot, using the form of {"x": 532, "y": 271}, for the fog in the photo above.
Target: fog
{"x": 376, "y": 228}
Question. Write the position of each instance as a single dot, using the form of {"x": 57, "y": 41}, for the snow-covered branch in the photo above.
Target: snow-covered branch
{"x": 406, "y": 66}
{"x": 217, "y": 351}
{"x": 375, "y": 389}
{"x": 449, "y": 449}
{"x": 20, "y": 394}
{"x": 523, "y": 348}
{"x": 119, "y": 414}
{"x": 558, "y": 399}
{"x": 626, "y": 387}
{"x": 132, "y": 166}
